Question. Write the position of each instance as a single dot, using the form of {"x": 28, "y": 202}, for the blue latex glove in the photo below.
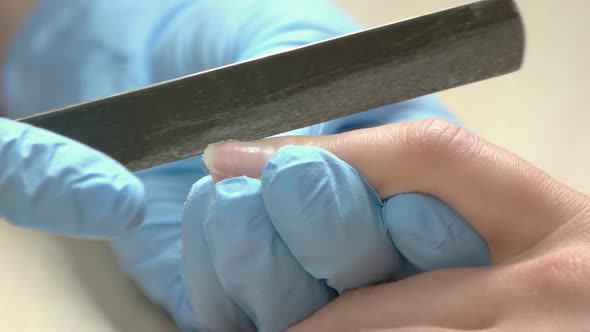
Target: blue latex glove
{"x": 216, "y": 262}
{"x": 54, "y": 184}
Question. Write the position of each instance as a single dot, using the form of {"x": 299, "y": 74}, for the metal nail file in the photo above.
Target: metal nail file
{"x": 262, "y": 97}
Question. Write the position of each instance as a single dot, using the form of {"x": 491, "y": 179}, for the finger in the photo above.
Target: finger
{"x": 438, "y": 329}
{"x": 509, "y": 202}
{"x": 454, "y": 299}
{"x": 541, "y": 292}
{"x": 51, "y": 183}
{"x": 254, "y": 266}
{"x": 418, "y": 329}
{"x": 431, "y": 235}
{"x": 213, "y": 310}
{"x": 329, "y": 218}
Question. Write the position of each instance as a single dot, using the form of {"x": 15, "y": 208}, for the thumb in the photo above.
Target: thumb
{"x": 54, "y": 184}
{"x": 512, "y": 204}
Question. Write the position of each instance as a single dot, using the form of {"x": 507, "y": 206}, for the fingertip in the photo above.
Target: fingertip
{"x": 201, "y": 188}
{"x": 51, "y": 183}
{"x": 124, "y": 211}
{"x": 233, "y": 159}
{"x": 100, "y": 199}
{"x": 254, "y": 266}
{"x": 329, "y": 217}
{"x": 431, "y": 235}
{"x": 290, "y": 178}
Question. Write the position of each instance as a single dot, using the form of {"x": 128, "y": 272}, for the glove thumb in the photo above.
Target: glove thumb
{"x": 54, "y": 184}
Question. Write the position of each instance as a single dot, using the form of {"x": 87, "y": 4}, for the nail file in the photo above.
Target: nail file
{"x": 297, "y": 88}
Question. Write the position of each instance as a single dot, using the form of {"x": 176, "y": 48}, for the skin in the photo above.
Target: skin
{"x": 538, "y": 231}
{"x": 12, "y": 15}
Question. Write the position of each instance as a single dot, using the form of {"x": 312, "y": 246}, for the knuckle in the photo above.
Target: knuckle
{"x": 441, "y": 140}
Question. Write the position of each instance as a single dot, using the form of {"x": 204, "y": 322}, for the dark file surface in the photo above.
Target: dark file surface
{"x": 301, "y": 87}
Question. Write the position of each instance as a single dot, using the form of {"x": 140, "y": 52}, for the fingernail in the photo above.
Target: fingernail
{"x": 233, "y": 158}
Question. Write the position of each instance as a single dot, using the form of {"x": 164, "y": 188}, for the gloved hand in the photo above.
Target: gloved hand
{"x": 217, "y": 262}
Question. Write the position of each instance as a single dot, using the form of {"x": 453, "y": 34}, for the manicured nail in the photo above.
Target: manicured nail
{"x": 232, "y": 158}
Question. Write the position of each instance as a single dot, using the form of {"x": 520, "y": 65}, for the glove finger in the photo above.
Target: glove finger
{"x": 54, "y": 184}
{"x": 329, "y": 218}
{"x": 253, "y": 264}
{"x": 213, "y": 309}
{"x": 431, "y": 235}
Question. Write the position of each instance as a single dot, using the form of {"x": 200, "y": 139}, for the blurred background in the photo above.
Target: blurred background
{"x": 51, "y": 284}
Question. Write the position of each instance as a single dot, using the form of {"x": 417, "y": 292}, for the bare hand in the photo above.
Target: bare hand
{"x": 537, "y": 230}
